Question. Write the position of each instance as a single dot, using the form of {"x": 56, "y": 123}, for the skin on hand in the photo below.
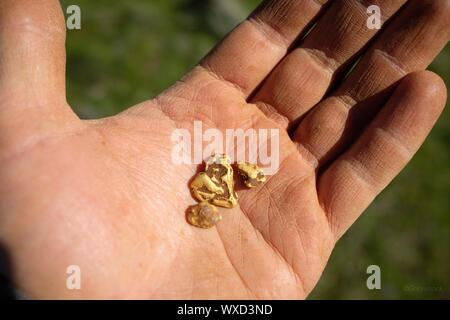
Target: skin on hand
{"x": 101, "y": 194}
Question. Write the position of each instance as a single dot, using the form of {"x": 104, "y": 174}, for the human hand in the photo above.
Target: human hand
{"x": 105, "y": 195}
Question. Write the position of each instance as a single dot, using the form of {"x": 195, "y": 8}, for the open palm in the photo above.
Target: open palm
{"x": 104, "y": 194}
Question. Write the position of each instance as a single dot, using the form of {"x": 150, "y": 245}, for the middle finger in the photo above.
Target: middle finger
{"x": 303, "y": 77}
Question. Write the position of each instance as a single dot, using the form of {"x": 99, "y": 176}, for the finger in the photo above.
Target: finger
{"x": 359, "y": 175}
{"x": 246, "y": 56}
{"x": 32, "y": 53}
{"x": 304, "y": 76}
{"x": 32, "y": 74}
{"x": 407, "y": 45}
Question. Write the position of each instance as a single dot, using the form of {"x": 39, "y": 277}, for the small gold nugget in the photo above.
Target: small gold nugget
{"x": 203, "y": 215}
{"x": 215, "y": 185}
{"x": 251, "y": 173}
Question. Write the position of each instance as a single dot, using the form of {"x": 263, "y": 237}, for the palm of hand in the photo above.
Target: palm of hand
{"x": 104, "y": 194}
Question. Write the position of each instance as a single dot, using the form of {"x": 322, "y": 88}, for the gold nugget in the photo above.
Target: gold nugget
{"x": 215, "y": 185}
{"x": 203, "y": 215}
{"x": 251, "y": 173}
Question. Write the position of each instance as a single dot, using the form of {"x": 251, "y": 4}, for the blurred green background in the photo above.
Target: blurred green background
{"x": 128, "y": 51}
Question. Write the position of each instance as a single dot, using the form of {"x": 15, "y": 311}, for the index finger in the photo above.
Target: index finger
{"x": 247, "y": 55}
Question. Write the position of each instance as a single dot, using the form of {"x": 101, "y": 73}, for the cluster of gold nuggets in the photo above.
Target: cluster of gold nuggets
{"x": 215, "y": 187}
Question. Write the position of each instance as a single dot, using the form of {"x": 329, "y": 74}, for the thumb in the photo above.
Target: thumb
{"x": 32, "y": 68}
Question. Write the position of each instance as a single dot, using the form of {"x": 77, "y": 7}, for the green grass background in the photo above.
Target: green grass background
{"x": 128, "y": 51}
